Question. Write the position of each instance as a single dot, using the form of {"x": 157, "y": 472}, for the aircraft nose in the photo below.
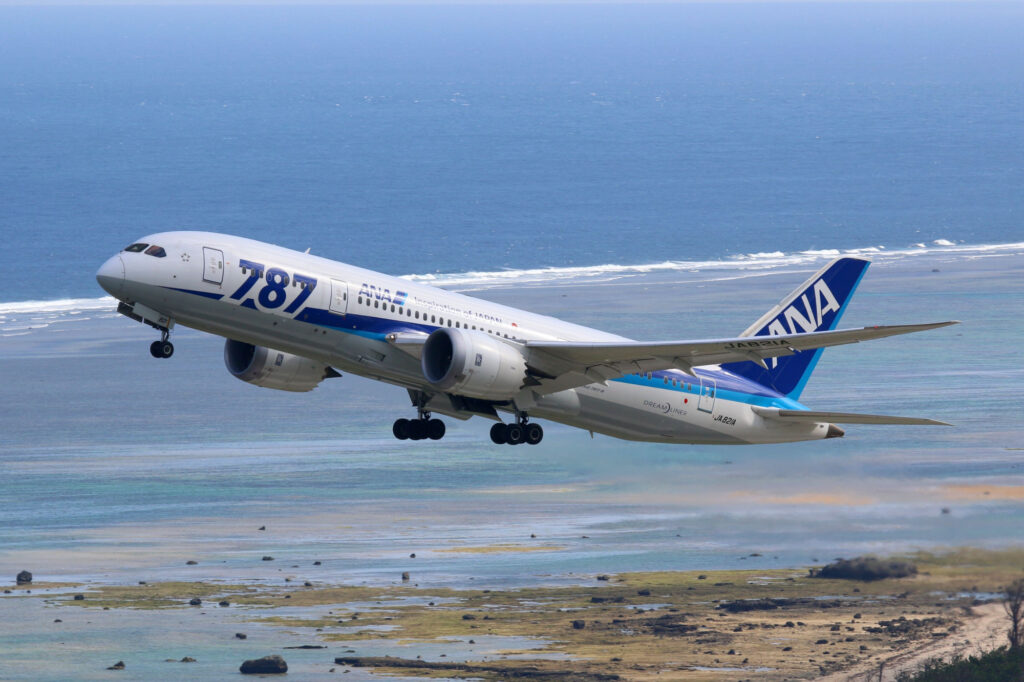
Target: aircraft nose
{"x": 111, "y": 275}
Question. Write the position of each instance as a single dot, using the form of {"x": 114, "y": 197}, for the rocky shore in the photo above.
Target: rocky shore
{"x": 721, "y": 625}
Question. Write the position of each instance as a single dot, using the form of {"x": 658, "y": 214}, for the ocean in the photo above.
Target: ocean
{"x": 658, "y": 171}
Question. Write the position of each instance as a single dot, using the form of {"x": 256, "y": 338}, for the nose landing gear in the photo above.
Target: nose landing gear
{"x": 163, "y": 348}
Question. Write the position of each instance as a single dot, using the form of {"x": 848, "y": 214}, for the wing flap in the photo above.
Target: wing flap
{"x": 818, "y": 416}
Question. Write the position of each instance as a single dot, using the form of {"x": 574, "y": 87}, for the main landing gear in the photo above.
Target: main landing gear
{"x": 418, "y": 429}
{"x": 520, "y": 432}
{"x": 162, "y": 348}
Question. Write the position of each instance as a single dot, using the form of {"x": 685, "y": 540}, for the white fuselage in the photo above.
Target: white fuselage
{"x": 341, "y": 316}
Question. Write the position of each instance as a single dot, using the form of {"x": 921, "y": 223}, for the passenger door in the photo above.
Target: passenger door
{"x": 706, "y": 400}
{"x": 339, "y": 297}
{"x": 213, "y": 265}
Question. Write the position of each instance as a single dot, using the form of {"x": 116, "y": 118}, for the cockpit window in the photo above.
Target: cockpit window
{"x": 135, "y": 248}
{"x": 157, "y": 251}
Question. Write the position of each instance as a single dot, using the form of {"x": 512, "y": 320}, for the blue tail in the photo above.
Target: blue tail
{"x": 816, "y": 305}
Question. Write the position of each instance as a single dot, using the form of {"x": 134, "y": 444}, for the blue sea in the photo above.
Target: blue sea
{"x": 658, "y": 171}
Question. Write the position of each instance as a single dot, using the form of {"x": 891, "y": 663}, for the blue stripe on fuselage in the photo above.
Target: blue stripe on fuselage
{"x": 727, "y": 387}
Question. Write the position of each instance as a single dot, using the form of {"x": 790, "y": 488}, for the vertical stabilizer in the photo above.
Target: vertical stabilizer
{"x": 816, "y": 305}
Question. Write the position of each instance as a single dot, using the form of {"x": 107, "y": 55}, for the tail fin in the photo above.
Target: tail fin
{"x": 816, "y": 305}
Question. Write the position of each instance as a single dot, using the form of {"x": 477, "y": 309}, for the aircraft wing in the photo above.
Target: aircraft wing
{"x": 560, "y": 365}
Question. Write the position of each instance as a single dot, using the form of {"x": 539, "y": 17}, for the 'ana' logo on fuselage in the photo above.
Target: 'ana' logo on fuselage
{"x": 382, "y": 294}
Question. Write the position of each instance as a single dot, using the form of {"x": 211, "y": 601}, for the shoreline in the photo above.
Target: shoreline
{"x": 724, "y": 625}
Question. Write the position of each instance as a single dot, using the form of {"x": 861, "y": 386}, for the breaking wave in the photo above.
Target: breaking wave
{"x": 741, "y": 263}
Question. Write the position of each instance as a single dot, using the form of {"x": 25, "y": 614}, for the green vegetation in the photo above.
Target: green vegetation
{"x": 866, "y": 569}
{"x": 1001, "y": 665}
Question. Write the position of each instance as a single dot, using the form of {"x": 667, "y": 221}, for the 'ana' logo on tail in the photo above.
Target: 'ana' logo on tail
{"x": 816, "y": 305}
{"x": 794, "y": 321}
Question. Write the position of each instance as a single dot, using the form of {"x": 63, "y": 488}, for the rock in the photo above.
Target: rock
{"x": 241, "y": 635}
{"x": 405, "y": 576}
{"x": 224, "y": 602}
{"x": 644, "y": 593}
{"x": 117, "y": 666}
{"x": 79, "y": 597}
{"x": 308, "y": 584}
{"x": 195, "y": 601}
{"x": 602, "y": 577}
{"x": 57, "y": 620}
{"x": 268, "y": 665}
{"x": 413, "y": 555}
{"x": 268, "y": 558}
{"x": 316, "y": 563}
{"x": 468, "y": 616}
{"x": 578, "y": 624}
{"x": 702, "y": 577}
{"x": 24, "y": 578}
{"x": 190, "y": 562}
{"x": 263, "y": 528}
{"x": 188, "y": 659}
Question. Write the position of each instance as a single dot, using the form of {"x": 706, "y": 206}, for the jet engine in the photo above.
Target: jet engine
{"x": 473, "y": 364}
{"x": 271, "y": 368}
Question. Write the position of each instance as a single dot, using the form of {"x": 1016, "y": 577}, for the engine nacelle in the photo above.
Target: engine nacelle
{"x": 473, "y": 364}
{"x": 271, "y": 368}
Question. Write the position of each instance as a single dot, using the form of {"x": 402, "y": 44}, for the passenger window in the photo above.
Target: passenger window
{"x": 135, "y": 248}
{"x": 432, "y": 319}
{"x": 360, "y": 299}
{"x": 449, "y": 323}
{"x": 417, "y": 314}
{"x": 392, "y": 307}
{"x": 376, "y": 304}
{"x": 156, "y": 251}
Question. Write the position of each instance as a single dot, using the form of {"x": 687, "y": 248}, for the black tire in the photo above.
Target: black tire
{"x": 533, "y": 434}
{"x": 515, "y": 434}
{"x": 499, "y": 434}
{"x": 161, "y": 349}
{"x": 417, "y": 429}
{"x": 435, "y": 429}
{"x": 401, "y": 429}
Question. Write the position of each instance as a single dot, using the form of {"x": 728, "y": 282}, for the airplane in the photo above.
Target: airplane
{"x": 291, "y": 320}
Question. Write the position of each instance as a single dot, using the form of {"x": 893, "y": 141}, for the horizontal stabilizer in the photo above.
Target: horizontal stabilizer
{"x": 841, "y": 417}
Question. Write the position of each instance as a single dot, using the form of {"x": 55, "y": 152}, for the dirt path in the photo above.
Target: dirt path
{"x": 981, "y": 632}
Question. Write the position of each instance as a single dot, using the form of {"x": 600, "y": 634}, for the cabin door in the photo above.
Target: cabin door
{"x": 339, "y": 297}
{"x": 706, "y": 401}
{"x": 213, "y": 265}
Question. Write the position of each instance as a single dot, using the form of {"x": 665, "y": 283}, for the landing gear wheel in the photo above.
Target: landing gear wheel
{"x": 417, "y": 429}
{"x": 533, "y": 433}
{"x": 515, "y": 434}
{"x": 435, "y": 429}
{"x": 401, "y": 429}
{"x": 161, "y": 349}
{"x": 499, "y": 434}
